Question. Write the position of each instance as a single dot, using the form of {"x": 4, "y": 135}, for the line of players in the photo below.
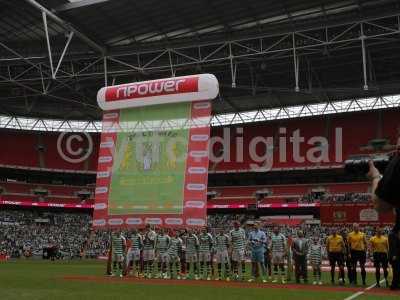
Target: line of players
{"x": 190, "y": 256}
{"x": 162, "y": 255}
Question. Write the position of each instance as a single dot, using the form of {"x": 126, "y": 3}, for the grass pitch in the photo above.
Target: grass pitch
{"x": 36, "y": 280}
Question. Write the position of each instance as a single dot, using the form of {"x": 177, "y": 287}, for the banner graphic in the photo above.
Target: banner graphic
{"x": 153, "y": 158}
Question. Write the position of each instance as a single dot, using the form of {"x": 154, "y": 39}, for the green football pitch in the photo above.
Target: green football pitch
{"x": 33, "y": 280}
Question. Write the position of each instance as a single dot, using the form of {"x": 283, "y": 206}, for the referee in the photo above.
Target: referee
{"x": 379, "y": 246}
{"x": 335, "y": 247}
{"x": 358, "y": 252}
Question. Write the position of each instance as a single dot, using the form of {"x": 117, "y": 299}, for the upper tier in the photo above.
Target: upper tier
{"x": 39, "y": 149}
{"x": 52, "y": 193}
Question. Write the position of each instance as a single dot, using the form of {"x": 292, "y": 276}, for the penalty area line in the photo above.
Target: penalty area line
{"x": 358, "y": 294}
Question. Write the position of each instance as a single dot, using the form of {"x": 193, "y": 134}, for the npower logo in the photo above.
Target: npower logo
{"x": 152, "y": 88}
{"x": 200, "y": 87}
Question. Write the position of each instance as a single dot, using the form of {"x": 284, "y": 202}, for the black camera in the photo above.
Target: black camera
{"x": 358, "y": 164}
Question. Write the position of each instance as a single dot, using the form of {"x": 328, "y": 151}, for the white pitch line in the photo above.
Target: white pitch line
{"x": 363, "y": 291}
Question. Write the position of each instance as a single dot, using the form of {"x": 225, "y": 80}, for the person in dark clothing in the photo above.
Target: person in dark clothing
{"x": 394, "y": 258}
{"x": 386, "y": 196}
{"x": 358, "y": 252}
{"x": 385, "y": 188}
{"x": 267, "y": 262}
{"x": 379, "y": 247}
{"x": 347, "y": 257}
{"x": 300, "y": 249}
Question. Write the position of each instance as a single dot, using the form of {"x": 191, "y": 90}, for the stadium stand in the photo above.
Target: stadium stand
{"x": 294, "y": 193}
{"x": 28, "y": 232}
{"x": 39, "y": 150}
{"x": 36, "y": 150}
{"x": 358, "y": 130}
{"x": 327, "y": 70}
{"x": 30, "y": 192}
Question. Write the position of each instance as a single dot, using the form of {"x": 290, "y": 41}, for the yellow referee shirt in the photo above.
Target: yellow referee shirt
{"x": 357, "y": 241}
{"x": 335, "y": 243}
{"x": 379, "y": 244}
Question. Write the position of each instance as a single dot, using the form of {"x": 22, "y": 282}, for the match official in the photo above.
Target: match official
{"x": 379, "y": 246}
{"x": 358, "y": 252}
{"x": 335, "y": 247}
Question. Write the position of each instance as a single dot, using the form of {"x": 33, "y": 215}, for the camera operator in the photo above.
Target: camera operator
{"x": 386, "y": 196}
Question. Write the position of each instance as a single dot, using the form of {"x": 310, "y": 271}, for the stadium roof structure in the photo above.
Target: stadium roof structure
{"x": 267, "y": 55}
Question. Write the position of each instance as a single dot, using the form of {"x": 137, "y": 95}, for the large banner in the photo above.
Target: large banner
{"x": 153, "y": 157}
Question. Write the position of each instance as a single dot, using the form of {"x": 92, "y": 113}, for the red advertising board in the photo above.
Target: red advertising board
{"x": 350, "y": 213}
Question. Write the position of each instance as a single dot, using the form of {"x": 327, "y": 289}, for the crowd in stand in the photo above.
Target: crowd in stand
{"x": 25, "y": 233}
{"x": 29, "y": 233}
{"x": 311, "y": 198}
{"x": 336, "y": 198}
{"x": 348, "y": 197}
{"x": 98, "y": 244}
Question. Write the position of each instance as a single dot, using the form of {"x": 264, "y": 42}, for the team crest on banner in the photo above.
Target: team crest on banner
{"x": 339, "y": 216}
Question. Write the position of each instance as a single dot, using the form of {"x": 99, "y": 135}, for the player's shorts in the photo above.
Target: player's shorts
{"x": 172, "y": 258}
{"x": 358, "y": 256}
{"x": 161, "y": 256}
{"x": 238, "y": 255}
{"x": 222, "y": 257}
{"x": 191, "y": 258}
{"x": 315, "y": 262}
{"x": 257, "y": 256}
{"x": 381, "y": 259}
{"x": 133, "y": 255}
{"x": 148, "y": 255}
{"x": 204, "y": 256}
{"x": 336, "y": 258}
{"x": 117, "y": 257}
{"x": 278, "y": 258}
